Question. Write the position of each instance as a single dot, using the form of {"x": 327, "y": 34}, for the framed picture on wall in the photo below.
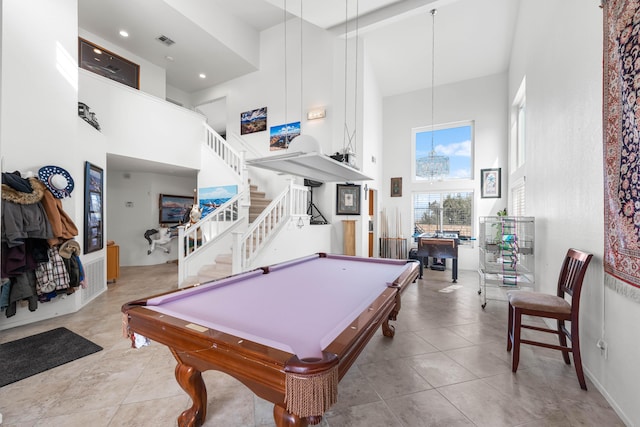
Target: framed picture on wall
{"x": 107, "y": 64}
{"x": 347, "y": 199}
{"x": 490, "y": 183}
{"x": 93, "y": 208}
{"x": 396, "y": 187}
{"x": 174, "y": 208}
{"x": 253, "y": 121}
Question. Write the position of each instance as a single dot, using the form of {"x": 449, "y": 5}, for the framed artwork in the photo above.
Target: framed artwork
{"x": 93, "y": 210}
{"x": 213, "y": 197}
{"x": 347, "y": 199}
{"x": 396, "y": 187}
{"x": 490, "y": 183}
{"x": 253, "y": 121}
{"x": 107, "y": 64}
{"x": 174, "y": 208}
{"x": 280, "y": 136}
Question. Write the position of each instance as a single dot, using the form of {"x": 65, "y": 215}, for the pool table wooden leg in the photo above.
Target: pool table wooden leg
{"x": 285, "y": 419}
{"x": 190, "y": 379}
{"x": 387, "y": 329}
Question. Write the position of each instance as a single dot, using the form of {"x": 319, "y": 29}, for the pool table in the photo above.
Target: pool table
{"x": 289, "y": 332}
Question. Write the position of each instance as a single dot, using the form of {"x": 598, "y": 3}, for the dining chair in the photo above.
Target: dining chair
{"x": 557, "y": 307}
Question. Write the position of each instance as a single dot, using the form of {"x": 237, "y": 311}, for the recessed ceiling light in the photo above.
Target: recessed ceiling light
{"x": 123, "y": 33}
{"x": 203, "y": 76}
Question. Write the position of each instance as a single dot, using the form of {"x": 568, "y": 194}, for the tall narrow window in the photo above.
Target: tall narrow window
{"x": 518, "y": 128}
{"x": 518, "y": 205}
{"x": 521, "y": 145}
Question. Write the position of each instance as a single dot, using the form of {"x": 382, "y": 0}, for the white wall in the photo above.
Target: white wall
{"x": 482, "y": 100}
{"x": 562, "y": 62}
{"x": 294, "y": 243}
{"x": 143, "y": 126}
{"x": 179, "y": 97}
{"x": 127, "y": 224}
{"x": 372, "y": 155}
{"x": 40, "y": 126}
{"x": 218, "y": 175}
{"x": 266, "y": 87}
{"x": 368, "y": 139}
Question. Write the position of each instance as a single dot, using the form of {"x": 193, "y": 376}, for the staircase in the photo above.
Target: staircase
{"x": 222, "y": 267}
{"x": 245, "y": 224}
{"x": 258, "y": 203}
{"x": 219, "y": 269}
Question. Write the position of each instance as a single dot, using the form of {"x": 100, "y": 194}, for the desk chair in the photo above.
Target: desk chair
{"x": 552, "y": 307}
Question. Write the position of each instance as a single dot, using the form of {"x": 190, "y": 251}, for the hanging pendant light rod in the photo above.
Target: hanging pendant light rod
{"x": 349, "y": 139}
{"x": 301, "y": 67}
{"x": 355, "y": 83}
{"x": 284, "y": 19}
{"x": 346, "y": 128}
{"x": 437, "y": 166}
{"x": 433, "y": 77}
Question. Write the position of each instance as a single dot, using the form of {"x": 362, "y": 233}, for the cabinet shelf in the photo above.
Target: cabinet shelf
{"x": 506, "y": 250}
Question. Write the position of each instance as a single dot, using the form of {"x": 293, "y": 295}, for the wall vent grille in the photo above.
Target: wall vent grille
{"x": 165, "y": 40}
{"x": 95, "y": 279}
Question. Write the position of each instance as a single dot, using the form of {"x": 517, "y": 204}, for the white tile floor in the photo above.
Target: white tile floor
{"x": 446, "y": 366}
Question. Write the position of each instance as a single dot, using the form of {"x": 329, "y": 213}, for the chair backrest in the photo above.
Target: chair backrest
{"x": 572, "y": 274}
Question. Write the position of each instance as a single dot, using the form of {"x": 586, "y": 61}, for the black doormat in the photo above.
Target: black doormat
{"x": 28, "y": 356}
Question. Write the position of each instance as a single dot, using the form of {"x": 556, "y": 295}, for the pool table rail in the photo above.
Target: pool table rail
{"x": 265, "y": 370}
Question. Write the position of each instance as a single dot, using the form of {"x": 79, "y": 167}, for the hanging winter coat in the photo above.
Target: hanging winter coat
{"x": 23, "y": 216}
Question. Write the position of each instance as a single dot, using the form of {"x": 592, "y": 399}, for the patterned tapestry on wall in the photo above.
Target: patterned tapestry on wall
{"x": 621, "y": 122}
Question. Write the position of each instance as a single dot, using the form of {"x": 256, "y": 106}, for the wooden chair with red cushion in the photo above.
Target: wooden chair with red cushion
{"x": 552, "y": 307}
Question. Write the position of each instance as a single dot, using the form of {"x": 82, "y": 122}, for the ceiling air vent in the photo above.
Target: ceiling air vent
{"x": 166, "y": 40}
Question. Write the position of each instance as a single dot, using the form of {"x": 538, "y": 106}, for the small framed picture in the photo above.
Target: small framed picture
{"x": 347, "y": 199}
{"x": 490, "y": 183}
{"x": 396, "y": 187}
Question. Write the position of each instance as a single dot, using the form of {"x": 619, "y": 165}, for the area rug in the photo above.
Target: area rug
{"x": 621, "y": 120}
{"x": 28, "y": 356}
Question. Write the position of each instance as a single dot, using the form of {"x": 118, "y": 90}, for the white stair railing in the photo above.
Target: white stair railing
{"x": 234, "y": 159}
{"x": 292, "y": 203}
{"x": 195, "y": 238}
{"x": 231, "y": 157}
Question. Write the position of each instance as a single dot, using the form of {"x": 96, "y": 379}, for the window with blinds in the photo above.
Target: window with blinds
{"x": 443, "y": 211}
{"x": 518, "y": 199}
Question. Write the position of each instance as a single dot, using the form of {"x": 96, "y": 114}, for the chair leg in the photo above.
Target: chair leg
{"x": 563, "y": 342}
{"x": 577, "y": 359}
{"x": 517, "y": 321}
{"x": 509, "y": 327}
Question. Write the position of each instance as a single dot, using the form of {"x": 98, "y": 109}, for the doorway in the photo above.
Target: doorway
{"x": 215, "y": 113}
{"x": 371, "y": 195}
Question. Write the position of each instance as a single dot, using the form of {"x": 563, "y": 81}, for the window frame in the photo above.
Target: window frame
{"x": 435, "y": 128}
{"x": 443, "y": 193}
{"x": 518, "y": 145}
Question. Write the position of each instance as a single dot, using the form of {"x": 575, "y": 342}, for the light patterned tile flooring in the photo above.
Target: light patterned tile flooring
{"x": 446, "y": 366}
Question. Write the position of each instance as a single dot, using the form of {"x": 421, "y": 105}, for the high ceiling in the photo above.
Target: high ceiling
{"x": 473, "y": 37}
{"x": 220, "y": 38}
